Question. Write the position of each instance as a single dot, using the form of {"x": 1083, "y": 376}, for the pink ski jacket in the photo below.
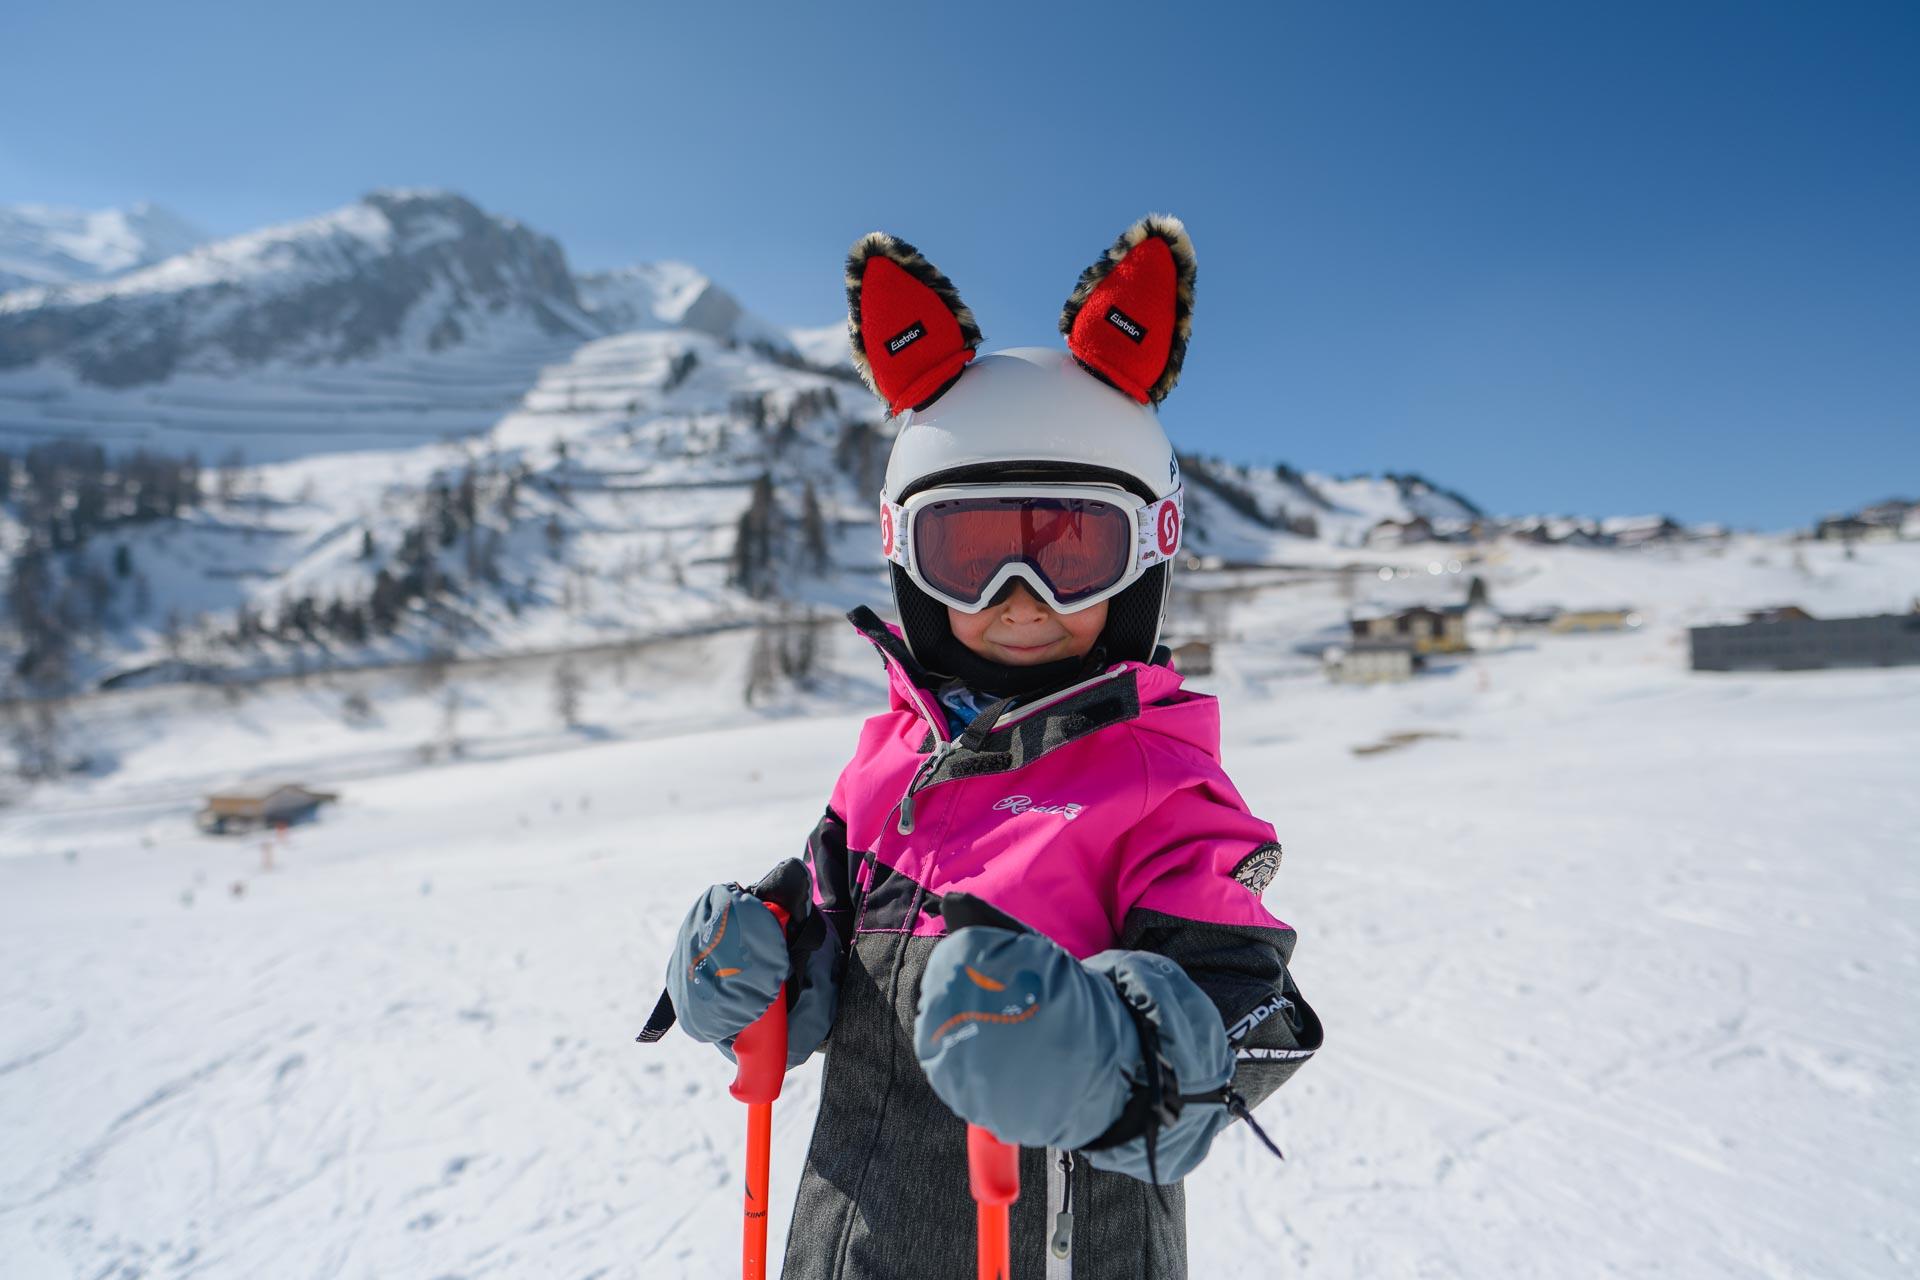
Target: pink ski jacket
{"x": 1099, "y": 815}
{"x": 1137, "y": 817}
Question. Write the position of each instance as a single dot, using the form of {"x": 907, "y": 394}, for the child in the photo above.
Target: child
{"x": 1033, "y": 903}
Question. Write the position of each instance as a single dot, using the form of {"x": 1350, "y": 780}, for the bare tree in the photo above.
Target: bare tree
{"x": 432, "y": 669}
{"x": 230, "y": 477}
{"x": 450, "y": 703}
{"x": 813, "y": 530}
{"x": 763, "y": 666}
{"x": 758, "y": 533}
{"x": 784, "y": 650}
{"x": 171, "y": 636}
{"x": 567, "y": 688}
{"x": 34, "y": 730}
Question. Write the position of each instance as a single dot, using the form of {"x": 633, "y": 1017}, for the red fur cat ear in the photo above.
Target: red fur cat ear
{"x": 911, "y": 334}
{"x": 1129, "y": 318}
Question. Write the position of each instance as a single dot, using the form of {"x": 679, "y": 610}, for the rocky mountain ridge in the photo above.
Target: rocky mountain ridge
{"x": 426, "y": 269}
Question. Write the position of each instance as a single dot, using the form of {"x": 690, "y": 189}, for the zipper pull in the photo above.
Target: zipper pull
{"x": 927, "y": 769}
{"x": 1062, "y": 1242}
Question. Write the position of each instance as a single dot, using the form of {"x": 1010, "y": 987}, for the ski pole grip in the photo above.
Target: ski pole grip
{"x": 993, "y": 1167}
{"x": 761, "y": 1050}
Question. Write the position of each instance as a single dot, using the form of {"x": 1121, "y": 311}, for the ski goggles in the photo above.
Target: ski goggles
{"x": 1073, "y": 544}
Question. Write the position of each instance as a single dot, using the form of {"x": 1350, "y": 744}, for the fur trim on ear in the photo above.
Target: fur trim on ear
{"x": 1140, "y": 292}
{"x": 901, "y": 299}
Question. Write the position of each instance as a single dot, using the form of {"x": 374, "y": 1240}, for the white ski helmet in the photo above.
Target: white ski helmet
{"x": 1030, "y": 414}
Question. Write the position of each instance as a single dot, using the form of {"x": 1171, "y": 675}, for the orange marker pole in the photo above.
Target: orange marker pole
{"x": 993, "y": 1168}
{"x": 761, "y": 1053}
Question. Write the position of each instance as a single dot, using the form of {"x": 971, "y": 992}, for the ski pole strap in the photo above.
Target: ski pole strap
{"x": 659, "y": 1022}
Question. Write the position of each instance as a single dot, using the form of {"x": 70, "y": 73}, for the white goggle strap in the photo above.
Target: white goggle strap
{"x": 1161, "y": 524}
{"x": 893, "y": 532}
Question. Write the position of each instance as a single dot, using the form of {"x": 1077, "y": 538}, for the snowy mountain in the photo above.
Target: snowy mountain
{"x": 414, "y": 270}
{"x": 670, "y": 295}
{"x": 49, "y": 245}
{"x": 674, "y": 295}
{"x": 1248, "y": 514}
{"x": 602, "y": 502}
{"x": 405, "y": 428}
{"x": 824, "y": 346}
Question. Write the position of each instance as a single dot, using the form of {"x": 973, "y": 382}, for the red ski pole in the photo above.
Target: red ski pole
{"x": 761, "y": 1052}
{"x": 993, "y": 1167}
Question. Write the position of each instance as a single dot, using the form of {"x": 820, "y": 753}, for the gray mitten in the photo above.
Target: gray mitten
{"x": 731, "y": 956}
{"x": 1017, "y": 1036}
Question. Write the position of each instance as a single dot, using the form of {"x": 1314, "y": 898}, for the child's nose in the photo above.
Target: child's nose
{"x": 1021, "y": 605}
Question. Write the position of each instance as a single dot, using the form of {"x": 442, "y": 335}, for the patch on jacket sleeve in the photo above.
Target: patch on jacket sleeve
{"x": 1256, "y": 870}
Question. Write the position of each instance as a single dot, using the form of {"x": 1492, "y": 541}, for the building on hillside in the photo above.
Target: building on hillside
{"x": 1849, "y": 529}
{"x": 230, "y": 812}
{"x": 1400, "y": 533}
{"x": 1429, "y": 628}
{"x": 1637, "y": 531}
{"x": 1571, "y": 621}
{"x": 1559, "y": 531}
{"x": 1194, "y": 658}
{"x": 1481, "y": 529}
{"x": 1809, "y": 644}
{"x": 1891, "y": 514}
{"x": 1371, "y": 662}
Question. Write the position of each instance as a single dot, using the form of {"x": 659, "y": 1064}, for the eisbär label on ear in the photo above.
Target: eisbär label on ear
{"x": 1126, "y": 324}
{"x": 905, "y": 338}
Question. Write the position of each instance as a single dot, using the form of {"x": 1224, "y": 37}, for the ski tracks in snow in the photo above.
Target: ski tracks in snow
{"x": 1614, "y": 986}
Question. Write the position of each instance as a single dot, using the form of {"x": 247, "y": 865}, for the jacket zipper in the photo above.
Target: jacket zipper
{"x": 944, "y": 746}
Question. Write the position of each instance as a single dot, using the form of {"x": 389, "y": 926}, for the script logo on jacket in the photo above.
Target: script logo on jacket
{"x": 1025, "y": 804}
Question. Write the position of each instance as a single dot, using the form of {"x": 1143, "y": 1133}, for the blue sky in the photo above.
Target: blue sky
{"x": 1581, "y": 257}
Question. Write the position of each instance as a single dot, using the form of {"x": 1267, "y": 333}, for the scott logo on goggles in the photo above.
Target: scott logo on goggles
{"x": 1167, "y": 527}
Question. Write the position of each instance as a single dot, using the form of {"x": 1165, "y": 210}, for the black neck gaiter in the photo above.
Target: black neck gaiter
{"x": 997, "y": 680}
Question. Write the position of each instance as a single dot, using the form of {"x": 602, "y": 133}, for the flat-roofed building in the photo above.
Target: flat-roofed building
{"x": 1371, "y": 662}
{"x": 1809, "y": 644}
{"x": 229, "y": 812}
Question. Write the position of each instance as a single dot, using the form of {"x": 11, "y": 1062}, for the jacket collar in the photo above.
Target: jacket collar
{"x": 1029, "y": 730}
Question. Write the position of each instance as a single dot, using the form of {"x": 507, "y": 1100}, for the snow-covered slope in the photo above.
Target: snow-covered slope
{"x": 1613, "y": 967}
{"x": 601, "y": 503}
{"x": 49, "y": 245}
